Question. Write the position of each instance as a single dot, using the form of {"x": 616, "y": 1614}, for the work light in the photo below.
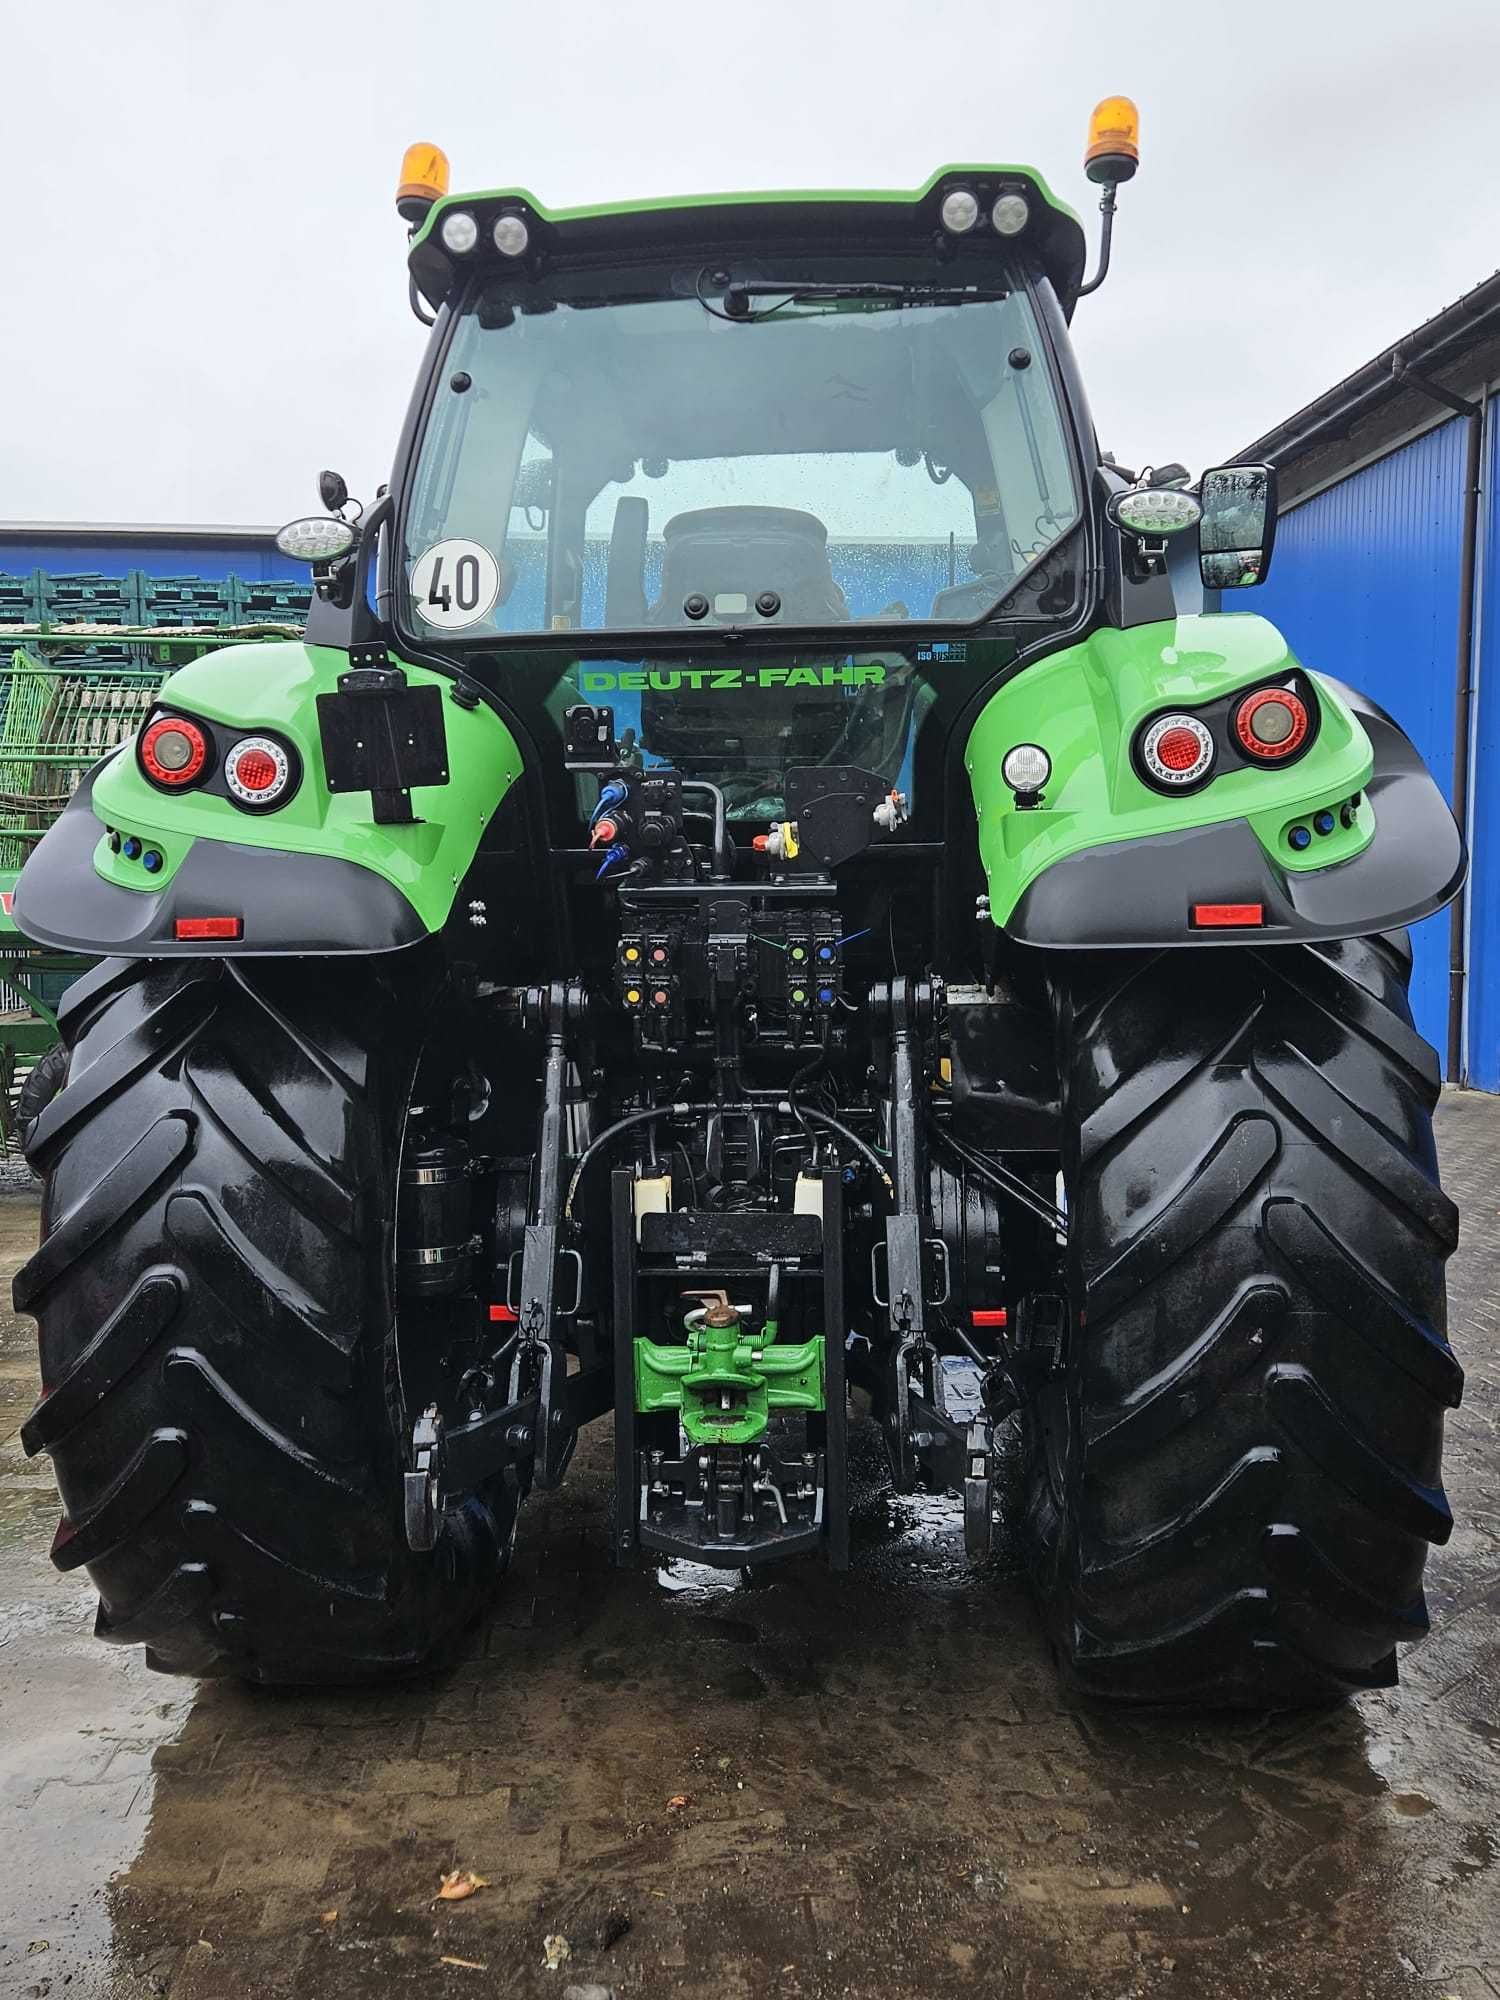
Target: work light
{"x": 460, "y": 232}
{"x": 960, "y": 211}
{"x": 1011, "y": 214}
{"x": 1027, "y": 767}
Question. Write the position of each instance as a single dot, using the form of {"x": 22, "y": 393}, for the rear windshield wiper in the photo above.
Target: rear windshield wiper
{"x": 739, "y": 295}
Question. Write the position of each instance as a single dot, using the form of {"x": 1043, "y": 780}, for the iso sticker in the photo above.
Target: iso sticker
{"x": 454, "y": 584}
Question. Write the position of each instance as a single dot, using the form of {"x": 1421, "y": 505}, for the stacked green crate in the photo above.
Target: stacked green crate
{"x": 91, "y": 600}
{"x": 269, "y": 601}
{"x": 185, "y": 600}
{"x": 21, "y": 598}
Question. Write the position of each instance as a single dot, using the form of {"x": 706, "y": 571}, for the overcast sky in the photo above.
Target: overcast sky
{"x": 205, "y": 296}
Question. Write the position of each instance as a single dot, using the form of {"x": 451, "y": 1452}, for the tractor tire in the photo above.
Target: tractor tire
{"x": 1233, "y": 1478}
{"x": 215, "y": 1296}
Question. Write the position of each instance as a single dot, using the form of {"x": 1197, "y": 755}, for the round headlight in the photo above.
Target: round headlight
{"x": 960, "y": 211}
{"x": 460, "y": 232}
{"x": 1026, "y": 768}
{"x": 1177, "y": 750}
{"x": 1155, "y": 510}
{"x": 511, "y": 235}
{"x": 318, "y": 538}
{"x": 1011, "y": 214}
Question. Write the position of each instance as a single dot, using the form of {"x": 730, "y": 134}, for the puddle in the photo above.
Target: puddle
{"x": 680, "y": 1578}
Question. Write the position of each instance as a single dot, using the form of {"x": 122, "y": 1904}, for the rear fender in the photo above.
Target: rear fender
{"x": 1107, "y": 860}
{"x": 318, "y": 874}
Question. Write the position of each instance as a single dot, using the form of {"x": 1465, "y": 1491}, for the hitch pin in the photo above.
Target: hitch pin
{"x": 765, "y": 1484}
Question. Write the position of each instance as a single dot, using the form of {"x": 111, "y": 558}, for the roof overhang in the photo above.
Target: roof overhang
{"x": 881, "y": 222}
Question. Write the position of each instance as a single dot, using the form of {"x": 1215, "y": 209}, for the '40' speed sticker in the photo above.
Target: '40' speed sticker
{"x": 454, "y": 583}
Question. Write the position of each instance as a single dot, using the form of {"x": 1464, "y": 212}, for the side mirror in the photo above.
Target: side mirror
{"x": 332, "y": 491}
{"x": 1238, "y": 529}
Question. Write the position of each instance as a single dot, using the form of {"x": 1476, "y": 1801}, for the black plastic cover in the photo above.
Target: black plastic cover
{"x": 289, "y": 903}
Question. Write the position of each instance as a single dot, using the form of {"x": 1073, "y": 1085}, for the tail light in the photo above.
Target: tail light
{"x": 1177, "y": 750}
{"x": 258, "y": 772}
{"x": 1271, "y": 724}
{"x": 173, "y": 751}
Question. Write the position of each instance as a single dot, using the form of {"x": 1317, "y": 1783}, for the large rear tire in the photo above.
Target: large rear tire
{"x": 1232, "y": 1485}
{"x": 215, "y": 1296}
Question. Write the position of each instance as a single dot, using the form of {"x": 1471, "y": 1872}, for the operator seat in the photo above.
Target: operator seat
{"x": 741, "y": 552}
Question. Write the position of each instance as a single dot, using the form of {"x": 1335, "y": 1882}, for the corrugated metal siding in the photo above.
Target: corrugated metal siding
{"x": 256, "y": 560}
{"x": 1364, "y": 584}
{"x": 1483, "y": 1037}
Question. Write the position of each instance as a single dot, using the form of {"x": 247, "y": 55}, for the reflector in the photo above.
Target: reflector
{"x": 209, "y": 927}
{"x": 1227, "y": 916}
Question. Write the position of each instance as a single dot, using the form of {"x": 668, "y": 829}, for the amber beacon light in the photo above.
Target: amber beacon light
{"x": 424, "y": 180}
{"x": 1114, "y": 148}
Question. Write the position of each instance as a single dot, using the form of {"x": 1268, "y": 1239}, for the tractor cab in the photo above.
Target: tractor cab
{"x": 749, "y": 467}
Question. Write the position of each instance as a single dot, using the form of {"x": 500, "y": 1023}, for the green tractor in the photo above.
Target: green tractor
{"x": 771, "y": 883}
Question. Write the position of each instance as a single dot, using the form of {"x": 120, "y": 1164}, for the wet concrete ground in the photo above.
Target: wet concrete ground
{"x": 868, "y": 1785}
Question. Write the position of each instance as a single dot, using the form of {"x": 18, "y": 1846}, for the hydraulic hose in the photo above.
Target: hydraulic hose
{"x": 654, "y": 1113}
{"x": 861, "y": 1146}
{"x": 650, "y": 1116}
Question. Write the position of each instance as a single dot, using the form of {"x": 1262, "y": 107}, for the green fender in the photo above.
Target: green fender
{"x": 319, "y": 874}
{"x": 1106, "y": 859}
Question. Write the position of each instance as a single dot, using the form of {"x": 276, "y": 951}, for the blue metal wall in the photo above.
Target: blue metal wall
{"x": 253, "y": 557}
{"x": 1364, "y": 584}
{"x": 1482, "y": 1037}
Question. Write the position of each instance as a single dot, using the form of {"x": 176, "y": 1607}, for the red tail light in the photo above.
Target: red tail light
{"x": 1177, "y": 750}
{"x": 1271, "y": 724}
{"x": 258, "y": 772}
{"x": 173, "y": 751}
{"x": 210, "y": 927}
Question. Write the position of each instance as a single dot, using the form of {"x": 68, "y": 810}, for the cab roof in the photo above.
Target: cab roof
{"x": 878, "y": 220}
